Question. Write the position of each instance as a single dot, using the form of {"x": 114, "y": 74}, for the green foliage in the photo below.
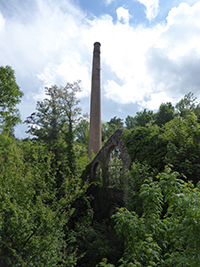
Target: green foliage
{"x": 34, "y": 225}
{"x": 187, "y": 105}
{"x": 104, "y": 263}
{"x": 39, "y": 229}
{"x": 116, "y": 121}
{"x": 82, "y": 131}
{"x": 140, "y": 120}
{"x": 177, "y": 143}
{"x": 138, "y": 174}
{"x": 130, "y": 122}
{"x": 55, "y": 120}
{"x": 167, "y": 233}
{"x": 55, "y": 112}
{"x": 10, "y": 96}
{"x": 105, "y": 131}
{"x": 140, "y": 247}
{"x": 144, "y": 117}
{"x": 81, "y": 155}
{"x": 146, "y": 144}
{"x": 97, "y": 240}
{"x": 51, "y": 217}
{"x": 183, "y": 149}
{"x": 161, "y": 221}
{"x": 108, "y": 128}
{"x": 164, "y": 114}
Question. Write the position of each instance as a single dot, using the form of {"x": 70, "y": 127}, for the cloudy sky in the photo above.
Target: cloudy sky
{"x": 150, "y": 50}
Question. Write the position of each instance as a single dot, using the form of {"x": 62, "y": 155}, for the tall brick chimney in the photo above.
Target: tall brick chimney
{"x": 95, "y": 104}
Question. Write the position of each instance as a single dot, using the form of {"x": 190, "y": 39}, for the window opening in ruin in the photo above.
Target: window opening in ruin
{"x": 98, "y": 173}
{"x": 115, "y": 168}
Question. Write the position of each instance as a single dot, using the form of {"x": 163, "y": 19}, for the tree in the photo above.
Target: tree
{"x": 34, "y": 224}
{"x": 146, "y": 144}
{"x": 144, "y": 117}
{"x": 55, "y": 119}
{"x": 10, "y": 96}
{"x": 105, "y": 133}
{"x": 164, "y": 114}
{"x": 167, "y": 233}
{"x": 55, "y": 113}
{"x": 108, "y": 128}
{"x": 183, "y": 148}
{"x": 188, "y": 104}
{"x": 81, "y": 133}
{"x": 130, "y": 122}
{"x": 116, "y": 121}
{"x": 82, "y": 130}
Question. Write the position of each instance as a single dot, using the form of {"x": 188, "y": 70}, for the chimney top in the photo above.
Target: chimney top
{"x": 97, "y": 47}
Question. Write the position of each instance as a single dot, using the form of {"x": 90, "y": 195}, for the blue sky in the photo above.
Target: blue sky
{"x": 150, "y": 50}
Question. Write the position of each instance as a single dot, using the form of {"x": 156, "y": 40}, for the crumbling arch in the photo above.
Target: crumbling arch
{"x": 103, "y": 156}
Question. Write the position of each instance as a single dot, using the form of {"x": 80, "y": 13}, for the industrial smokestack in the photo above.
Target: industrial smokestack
{"x": 95, "y": 104}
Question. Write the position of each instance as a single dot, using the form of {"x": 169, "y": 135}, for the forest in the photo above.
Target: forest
{"x": 48, "y": 206}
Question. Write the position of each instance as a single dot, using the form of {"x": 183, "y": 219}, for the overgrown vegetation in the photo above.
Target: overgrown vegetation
{"x": 51, "y": 215}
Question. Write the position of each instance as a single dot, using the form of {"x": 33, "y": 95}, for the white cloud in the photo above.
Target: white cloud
{"x": 108, "y": 2}
{"x": 157, "y": 99}
{"x": 173, "y": 65}
{"x": 48, "y": 47}
{"x": 182, "y": 33}
{"x": 2, "y": 23}
{"x": 152, "y": 8}
{"x": 123, "y": 15}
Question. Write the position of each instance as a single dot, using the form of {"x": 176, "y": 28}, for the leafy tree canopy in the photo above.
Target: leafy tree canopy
{"x": 187, "y": 104}
{"x": 34, "y": 224}
{"x": 164, "y": 114}
{"x": 183, "y": 149}
{"x": 116, "y": 121}
{"x": 146, "y": 145}
{"x": 82, "y": 130}
{"x": 55, "y": 113}
{"x": 10, "y": 96}
{"x": 108, "y": 128}
{"x": 130, "y": 122}
{"x": 141, "y": 119}
{"x": 165, "y": 232}
{"x": 55, "y": 120}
